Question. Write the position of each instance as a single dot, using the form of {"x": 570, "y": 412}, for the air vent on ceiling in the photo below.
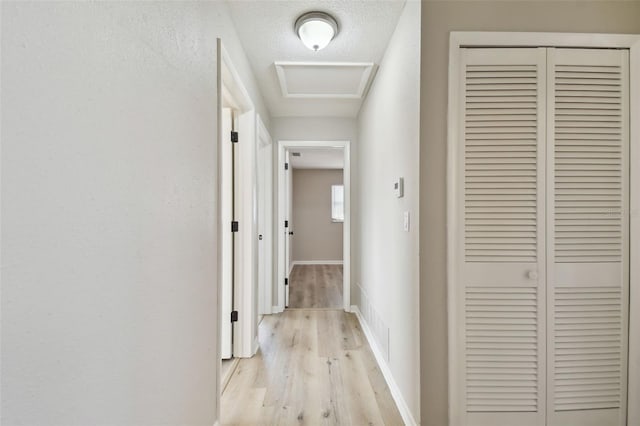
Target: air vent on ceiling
{"x": 295, "y": 154}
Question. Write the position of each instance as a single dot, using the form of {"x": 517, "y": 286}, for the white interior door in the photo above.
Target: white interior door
{"x": 288, "y": 227}
{"x": 501, "y": 249}
{"x": 261, "y": 228}
{"x": 543, "y": 251}
{"x": 226, "y": 197}
{"x": 268, "y": 228}
{"x": 588, "y": 245}
{"x": 265, "y": 206}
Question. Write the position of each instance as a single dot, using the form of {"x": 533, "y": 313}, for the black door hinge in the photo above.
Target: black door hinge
{"x": 286, "y": 166}
{"x": 286, "y": 281}
{"x": 234, "y": 137}
{"x": 234, "y": 316}
{"x": 286, "y": 223}
{"x": 234, "y": 226}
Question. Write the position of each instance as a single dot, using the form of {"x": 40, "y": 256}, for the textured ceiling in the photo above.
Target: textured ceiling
{"x": 314, "y": 158}
{"x": 266, "y": 31}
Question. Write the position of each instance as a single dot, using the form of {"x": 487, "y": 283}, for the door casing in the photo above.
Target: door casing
{"x": 283, "y": 147}
{"x": 231, "y": 91}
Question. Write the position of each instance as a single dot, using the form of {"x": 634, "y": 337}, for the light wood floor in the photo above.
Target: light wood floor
{"x": 228, "y": 365}
{"x": 315, "y": 286}
{"x": 314, "y": 367}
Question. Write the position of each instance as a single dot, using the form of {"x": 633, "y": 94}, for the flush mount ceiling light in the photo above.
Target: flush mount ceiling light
{"x": 316, "y": 29}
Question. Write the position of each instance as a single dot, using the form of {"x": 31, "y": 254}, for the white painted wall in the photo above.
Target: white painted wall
{"x": 322, "y": 129}
{"x": 108, "y": 211}
{"x": 388, "y": 269}
{"x": 314, "y": 128}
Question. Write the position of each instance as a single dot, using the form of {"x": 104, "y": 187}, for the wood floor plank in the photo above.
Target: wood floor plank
{"x": 363, "y": 406}
{"x": 278, "y": 353}
{"x": 316, "y": 286}
{"x": 292, "y": 380}
{"x": 329, "y": 345}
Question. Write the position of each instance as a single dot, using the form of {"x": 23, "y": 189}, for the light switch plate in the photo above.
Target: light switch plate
{"x": 398, "y": 187}
{"x": 406, "y": 221}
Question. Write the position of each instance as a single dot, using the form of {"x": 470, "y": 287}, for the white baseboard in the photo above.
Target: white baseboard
{"x": 407, "y": 417}
{"x": 275, "y": 309}
{"x": 317, "y": 262}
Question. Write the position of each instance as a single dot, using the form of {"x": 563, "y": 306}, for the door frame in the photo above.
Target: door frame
{"x": 230, "y": 89}
{"x": 463, "y": 39}
{"x": 283, "y": 146}
{"x": 225, "y": 239}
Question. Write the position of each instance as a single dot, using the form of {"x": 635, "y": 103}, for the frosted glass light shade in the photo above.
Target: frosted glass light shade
{"x": 316, "y": 29}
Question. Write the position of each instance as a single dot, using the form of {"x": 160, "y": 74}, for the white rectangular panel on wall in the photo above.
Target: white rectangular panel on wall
{"x": 501, "y": 175}
{"x": 588, "y": 230}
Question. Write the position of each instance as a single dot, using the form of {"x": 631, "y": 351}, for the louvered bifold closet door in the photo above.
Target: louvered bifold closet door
{"x": 588, "y": 280}
{"x": 501, "y": 237}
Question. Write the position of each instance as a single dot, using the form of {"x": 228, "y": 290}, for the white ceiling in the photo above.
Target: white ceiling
{"x": 317, "y": 158}
{"x": 266, "y": 31}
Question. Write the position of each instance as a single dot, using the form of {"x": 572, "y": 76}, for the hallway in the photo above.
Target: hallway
{"x": 485, "y": 211}
{"x": 313, "y": 367}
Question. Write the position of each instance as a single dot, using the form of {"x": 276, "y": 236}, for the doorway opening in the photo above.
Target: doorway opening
{"x": 316, "y": 228}
{"x": 313, "y": 243}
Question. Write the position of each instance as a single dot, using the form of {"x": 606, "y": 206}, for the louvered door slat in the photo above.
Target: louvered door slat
{"x": 507, "y": 143}
{"x": 501, "y": 191}
{"x": 587, "y": 247}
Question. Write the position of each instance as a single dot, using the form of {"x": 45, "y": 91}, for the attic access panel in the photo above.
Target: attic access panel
{"x": 324, "y": 80}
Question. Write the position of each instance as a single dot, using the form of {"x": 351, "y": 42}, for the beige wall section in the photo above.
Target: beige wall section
{"x": 109, "y": 211}
{"x": 315, "y": 236}
{"x": 438, "y": 19}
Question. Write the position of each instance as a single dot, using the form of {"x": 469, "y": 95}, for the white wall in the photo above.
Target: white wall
{"x": 388, "y": 270}
{"x": 322, "y": 129}
{"x": 314, "y": 128}
{"x": 108, "y": 211}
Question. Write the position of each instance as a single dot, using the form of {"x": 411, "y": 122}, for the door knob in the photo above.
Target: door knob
{"x": 532, "y": 275}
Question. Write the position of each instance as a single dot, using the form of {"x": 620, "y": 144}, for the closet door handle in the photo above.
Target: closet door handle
{"x": 532, "y": 274}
